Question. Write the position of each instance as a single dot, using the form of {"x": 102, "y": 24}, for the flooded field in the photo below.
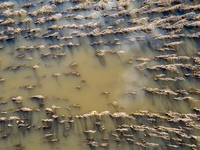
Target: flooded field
{"x": 99, "y": 74}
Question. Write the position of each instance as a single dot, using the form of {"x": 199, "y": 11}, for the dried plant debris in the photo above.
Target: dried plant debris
{"x": 171, "y": 57}
{"x": 159, "y": 91}
{"x": 6, "y": 5}
{"x": 47, "y": 9}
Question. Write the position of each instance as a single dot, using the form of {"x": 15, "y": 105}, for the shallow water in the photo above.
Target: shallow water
{"x": 100, "y": 87}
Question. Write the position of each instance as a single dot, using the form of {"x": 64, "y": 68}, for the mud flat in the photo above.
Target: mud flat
{"x": 99, "y": 74}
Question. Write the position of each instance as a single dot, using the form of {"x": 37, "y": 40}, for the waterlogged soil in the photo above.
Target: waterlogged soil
{"x": 99, "y": 74}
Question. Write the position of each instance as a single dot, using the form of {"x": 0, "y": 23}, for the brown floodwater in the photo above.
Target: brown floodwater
{"x": 118, "y": 67}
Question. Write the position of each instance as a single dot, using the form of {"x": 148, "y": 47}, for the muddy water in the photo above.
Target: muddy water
{"x": 130, "y": 76}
